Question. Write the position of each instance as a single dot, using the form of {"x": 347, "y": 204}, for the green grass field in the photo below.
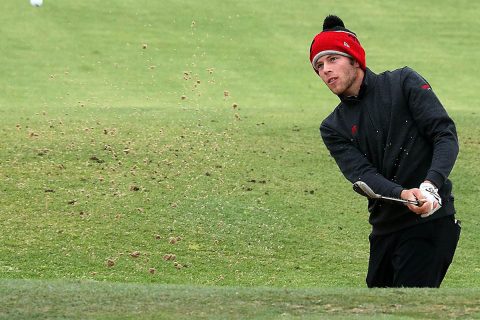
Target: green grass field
{"x": 171, "y": 149}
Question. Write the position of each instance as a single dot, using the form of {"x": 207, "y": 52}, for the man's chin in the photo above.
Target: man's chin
{"x": 336, "y": 91}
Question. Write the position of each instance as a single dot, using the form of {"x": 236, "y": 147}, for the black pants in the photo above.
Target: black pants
{"x": 418, "y": 256}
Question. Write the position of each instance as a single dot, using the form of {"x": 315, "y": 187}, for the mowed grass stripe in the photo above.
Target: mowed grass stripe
{"x": 27, "y": 299}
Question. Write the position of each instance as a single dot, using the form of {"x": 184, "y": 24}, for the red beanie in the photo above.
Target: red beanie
{"x": 335, "y": 39}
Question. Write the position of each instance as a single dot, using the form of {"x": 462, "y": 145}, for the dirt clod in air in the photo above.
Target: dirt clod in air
{"x": 110, "y": 263}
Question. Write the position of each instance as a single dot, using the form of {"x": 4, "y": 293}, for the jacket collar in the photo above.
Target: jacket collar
{"x": 367, "y": 84}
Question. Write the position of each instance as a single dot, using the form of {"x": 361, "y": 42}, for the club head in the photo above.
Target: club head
{"x": 363, "y": 189}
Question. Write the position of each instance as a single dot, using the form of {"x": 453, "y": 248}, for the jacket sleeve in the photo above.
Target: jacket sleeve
{"x": 354, "y": 165}
{"x": 433, "y": 123}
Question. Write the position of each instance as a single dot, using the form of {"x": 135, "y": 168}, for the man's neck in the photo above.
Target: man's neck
{"x": 354, "y": 90}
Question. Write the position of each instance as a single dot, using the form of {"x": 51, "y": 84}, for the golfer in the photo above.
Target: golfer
{"x": 391, "y": 132}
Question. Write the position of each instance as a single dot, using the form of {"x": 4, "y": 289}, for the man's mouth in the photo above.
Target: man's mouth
{"x": 332, "y": 80}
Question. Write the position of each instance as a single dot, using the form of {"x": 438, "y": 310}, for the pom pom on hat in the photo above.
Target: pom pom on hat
{"x": 336, "y": 39}
{"x": 331, "y": 22}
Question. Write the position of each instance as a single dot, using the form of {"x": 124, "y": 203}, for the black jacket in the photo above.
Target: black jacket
{"x": 393, "y": 136}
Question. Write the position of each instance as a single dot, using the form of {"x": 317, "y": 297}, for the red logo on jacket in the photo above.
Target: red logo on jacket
{"x": 354, "y": 129}
{"x": 426, "y": 86}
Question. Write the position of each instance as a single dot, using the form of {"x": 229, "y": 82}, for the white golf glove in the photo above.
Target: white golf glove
{"x": 430, "y": 193}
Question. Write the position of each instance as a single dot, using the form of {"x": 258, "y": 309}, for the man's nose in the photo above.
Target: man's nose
{"x": 326, "y": 68}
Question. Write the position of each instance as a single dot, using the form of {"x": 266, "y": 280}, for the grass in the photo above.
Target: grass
{"x": 175, "y": 145}
{"x": 79, "y": 300}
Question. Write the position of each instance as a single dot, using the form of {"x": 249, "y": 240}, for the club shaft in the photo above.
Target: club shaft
{"x": 401, "y": 200}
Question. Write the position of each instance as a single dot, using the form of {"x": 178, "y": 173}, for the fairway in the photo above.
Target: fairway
{"x": 154, "y": 145}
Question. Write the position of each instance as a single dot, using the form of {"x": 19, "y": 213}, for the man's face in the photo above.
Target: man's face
{"x": 339, "y": 73}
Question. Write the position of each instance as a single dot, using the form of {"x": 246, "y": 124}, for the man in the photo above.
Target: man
{"x": 391, "y": 132}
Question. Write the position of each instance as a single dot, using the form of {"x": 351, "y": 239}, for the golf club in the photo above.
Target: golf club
{"x": 363, "y": 189}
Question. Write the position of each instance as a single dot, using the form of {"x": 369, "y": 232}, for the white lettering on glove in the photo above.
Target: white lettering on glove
{"x": 430, "y": 192}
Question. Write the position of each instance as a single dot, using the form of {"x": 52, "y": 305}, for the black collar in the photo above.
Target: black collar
{"x": 367, "y": 83}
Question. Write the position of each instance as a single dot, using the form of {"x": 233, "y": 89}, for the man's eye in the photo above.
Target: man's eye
{"x": 333, "y": 59}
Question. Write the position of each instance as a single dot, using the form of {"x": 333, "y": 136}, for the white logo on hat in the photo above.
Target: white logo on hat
{"x": 346, "y": 44}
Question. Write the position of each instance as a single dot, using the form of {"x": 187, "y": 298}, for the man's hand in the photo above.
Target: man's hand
{"x": 428, "y": 197}
{"x": 430, "y": 193}
{"x": 416, "y": 195}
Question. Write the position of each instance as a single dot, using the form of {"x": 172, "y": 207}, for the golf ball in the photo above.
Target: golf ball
{"x": 36, "y": 3}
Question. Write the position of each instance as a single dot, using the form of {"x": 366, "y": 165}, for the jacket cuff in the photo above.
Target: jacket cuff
{"x": 436, "y": 178}
{"x": 397, "y": 191}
